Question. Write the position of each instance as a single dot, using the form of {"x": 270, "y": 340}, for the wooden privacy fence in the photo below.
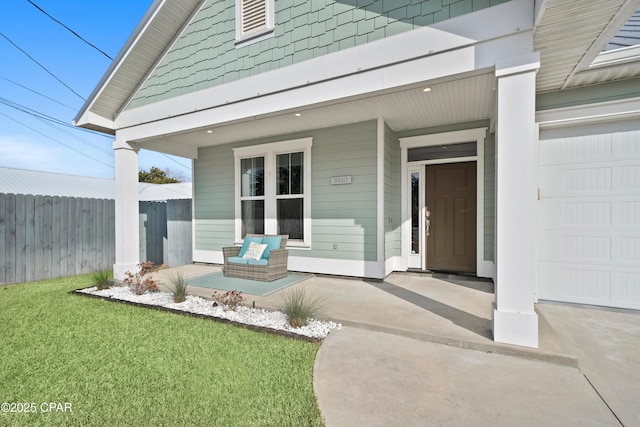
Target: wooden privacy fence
{"x": 45, "y": 237}
{"x": 165, "y": 232}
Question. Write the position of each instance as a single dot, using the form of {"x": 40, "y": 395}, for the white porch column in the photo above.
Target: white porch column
{"x": 127, "y": 223}
{"x": 514, "y": 319}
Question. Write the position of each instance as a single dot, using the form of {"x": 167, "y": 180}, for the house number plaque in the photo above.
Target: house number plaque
{"x": 338, "y": 180}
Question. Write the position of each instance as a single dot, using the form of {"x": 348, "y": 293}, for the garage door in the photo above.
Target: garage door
{"x": 589, "y": 214}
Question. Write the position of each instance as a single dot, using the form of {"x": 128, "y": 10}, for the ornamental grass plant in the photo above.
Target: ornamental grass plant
{"x": 299, "y": 306}
{"x": 102, "y": 279}
{"x": 122, "y": 365}
{"x": 178, "y": 288}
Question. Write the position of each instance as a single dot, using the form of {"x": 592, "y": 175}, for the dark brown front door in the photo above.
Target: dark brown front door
{"x": 451, "y": 207}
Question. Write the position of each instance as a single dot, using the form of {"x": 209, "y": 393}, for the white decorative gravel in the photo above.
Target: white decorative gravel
{"x": 194, "y": 304}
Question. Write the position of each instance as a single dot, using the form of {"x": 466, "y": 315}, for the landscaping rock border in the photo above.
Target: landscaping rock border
{"x": 274, "y": 322}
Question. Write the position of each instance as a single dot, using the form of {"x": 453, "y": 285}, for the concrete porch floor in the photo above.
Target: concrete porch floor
{"x": 387, "y": 366}
{"x": 444, "y": 309}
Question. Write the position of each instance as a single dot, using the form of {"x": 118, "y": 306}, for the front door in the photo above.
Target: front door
{"x": 451, "y": 217}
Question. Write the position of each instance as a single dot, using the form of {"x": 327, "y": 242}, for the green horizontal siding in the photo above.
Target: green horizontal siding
{"x": 612, "y": 91}
{"x": 489, "y": 196}
{"x": 344, "y": 215}
{"x": 205, "y": 55}
{"x": 214, "y": 190}
{"x": 392, "y": 195}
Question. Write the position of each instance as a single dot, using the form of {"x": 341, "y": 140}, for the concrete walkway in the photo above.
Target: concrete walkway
{"x": 417, "y": 350}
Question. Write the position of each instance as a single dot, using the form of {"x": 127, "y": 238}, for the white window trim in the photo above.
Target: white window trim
{"x": 269, "y": 152}
{"x": 256, "y": 34}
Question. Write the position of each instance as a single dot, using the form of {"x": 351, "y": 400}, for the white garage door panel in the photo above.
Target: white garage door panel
{"x": 590, "y": 143}
{"x": 589, "y": 248}
{"x": 595, "y": 179}
{"x": 589, "y": 214}
{"x": 585, "y": 284}
{"x": 579, "y": 212}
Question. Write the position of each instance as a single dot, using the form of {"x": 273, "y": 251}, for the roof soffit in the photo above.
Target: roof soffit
{"x": 151, "y": 39}
{"x": 570, "y": 34}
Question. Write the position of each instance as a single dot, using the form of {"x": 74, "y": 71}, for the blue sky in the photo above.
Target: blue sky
{"x": 27, "y": 142}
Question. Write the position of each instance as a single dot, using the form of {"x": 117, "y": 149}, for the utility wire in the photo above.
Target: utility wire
{"x": 59, "y": 142}
{"x": 38, "y": 114}
{"x": 38, "y": 93}
{"x": 175, "y": 161}
{"x": 42, "y": 66}
{"x": 84, "y": 141}
{"x": 31, "y": 111}
{"x": 50, "y": 121}
{"x": 73, "y": 32}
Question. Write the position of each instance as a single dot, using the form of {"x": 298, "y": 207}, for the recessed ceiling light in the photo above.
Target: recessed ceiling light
{"x": 298, "y": 114}
{"x": 426, "y": 90}
{"x": 209, "y": 131}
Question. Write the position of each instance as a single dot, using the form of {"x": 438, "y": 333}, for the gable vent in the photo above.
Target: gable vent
{"x": 254, "y": 15}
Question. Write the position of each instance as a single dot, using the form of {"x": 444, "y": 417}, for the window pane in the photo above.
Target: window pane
{"x": 252, "y": 217}
{"x": 282, "y": 161}
{"x": 290, "y": 173}
{"x": 415, "y": 212}
{"x": 465, "y": 149}
{"x": 296, "y": 173}
{"x": 252, "y": 177}
{"x": 291, "y": 218}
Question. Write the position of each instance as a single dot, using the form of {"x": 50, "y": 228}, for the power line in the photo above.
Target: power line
{"x": 42, "y": 66}
{"x": 38, "y": 114}
{"x": 46, "y": 119}
{"x": 73, "y": 32}
{"x": 59, "y": 142}
{"x": 175, "y": 161}
{"x": 30, "y": 111}
{"x": 84, "y": 141}
{"x": 37, "y": 93}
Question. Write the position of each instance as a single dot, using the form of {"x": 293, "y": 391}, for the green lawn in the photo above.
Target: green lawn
{"x": 115, "y": 364}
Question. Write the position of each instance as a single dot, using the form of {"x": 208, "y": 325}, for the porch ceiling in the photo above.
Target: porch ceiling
{"x": 463, "y": 100}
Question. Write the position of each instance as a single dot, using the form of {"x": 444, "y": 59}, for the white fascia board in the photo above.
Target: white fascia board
{"x": 626, "y": 9}
{"x": 616, "y": 57}
{"x": 171, "y": 147}
{"x": 519, "y": 64}
{"x": 599, "y": 112}
{"x": 349, "y": 86}
{"x": 149, "y": 122}
{"x": 452, "y": 137}
{"x": 540, "y": 6}
{"x": 355, "y": 61}
{"x": 88, "y": 117}
{"x": 130, "y": 44}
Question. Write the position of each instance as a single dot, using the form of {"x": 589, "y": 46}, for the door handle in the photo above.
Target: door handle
{"x": 427, "y": 221}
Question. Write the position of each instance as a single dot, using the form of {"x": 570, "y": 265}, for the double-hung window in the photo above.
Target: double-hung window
{"x": 273, "y": 190}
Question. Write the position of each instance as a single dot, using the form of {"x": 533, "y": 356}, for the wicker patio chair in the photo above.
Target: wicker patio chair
{"x": 276, "y": 267}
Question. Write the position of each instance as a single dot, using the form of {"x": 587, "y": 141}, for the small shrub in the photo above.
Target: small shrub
{"x": 299, "y": 307}
{"x": 102, "y": 279}
{"x": 142, "y": 281}
{"x": 230, "y": 299}
{"x": 178, "y": 288}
